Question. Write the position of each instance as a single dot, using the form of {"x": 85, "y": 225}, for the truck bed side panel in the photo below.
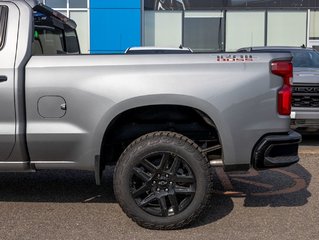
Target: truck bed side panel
{"x": 240, "y": 97}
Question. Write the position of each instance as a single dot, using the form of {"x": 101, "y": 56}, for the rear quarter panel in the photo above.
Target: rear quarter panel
{"x": 240, "y": 97}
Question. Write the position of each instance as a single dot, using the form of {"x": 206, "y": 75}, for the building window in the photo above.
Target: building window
{"x": 314, "y": 26}
{"x": 244, "y": 29}
{"x": 56, "y": 3}
{"x": 204, "y": 30}
{"x": 200, "y": 31}
{"x": 163, "y": 29}
{"x": 314, "y": 29}
{"x": 287, "y": 28}
{"x": 229, "y": 4}
{"x": 78, "y": 3}
{"x": 78, "y": 10}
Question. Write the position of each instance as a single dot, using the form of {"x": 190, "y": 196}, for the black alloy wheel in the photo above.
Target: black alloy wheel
{"x": 163, "y": 184}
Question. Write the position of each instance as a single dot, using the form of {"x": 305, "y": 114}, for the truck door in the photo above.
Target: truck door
{"x": 9, "y": 16}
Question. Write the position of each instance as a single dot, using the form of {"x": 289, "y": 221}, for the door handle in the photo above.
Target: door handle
{"x": 3, "y": 78}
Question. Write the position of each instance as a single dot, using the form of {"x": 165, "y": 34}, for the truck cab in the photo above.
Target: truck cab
{"x": 54, "y": 34}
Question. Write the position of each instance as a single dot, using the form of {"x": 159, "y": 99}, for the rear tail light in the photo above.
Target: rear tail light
{"x": 284, "y": 69}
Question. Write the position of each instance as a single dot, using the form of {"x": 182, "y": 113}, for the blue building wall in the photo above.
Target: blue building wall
{"x": 114, "y": 25}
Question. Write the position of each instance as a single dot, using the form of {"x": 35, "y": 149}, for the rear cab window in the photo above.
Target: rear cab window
{"x": 50, "y": 41}
{"x": 3, "y": 24}
{"x": 54, "y": 34}
{"x": 71, "y": 41}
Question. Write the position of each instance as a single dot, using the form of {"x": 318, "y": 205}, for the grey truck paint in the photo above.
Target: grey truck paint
{"x": 305, "y": 105}
{"x": 55, "y": 110}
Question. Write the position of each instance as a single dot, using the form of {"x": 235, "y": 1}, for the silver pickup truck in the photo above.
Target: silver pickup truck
{"x": 164, "y": 120}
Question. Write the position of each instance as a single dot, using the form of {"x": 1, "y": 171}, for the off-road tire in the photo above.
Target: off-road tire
{"x": 189, "y": 154}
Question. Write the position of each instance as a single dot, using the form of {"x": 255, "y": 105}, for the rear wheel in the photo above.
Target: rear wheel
{"x": 163, "y": 181}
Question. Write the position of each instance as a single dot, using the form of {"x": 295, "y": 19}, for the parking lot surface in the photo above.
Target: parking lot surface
{"x": 273, "y": 204}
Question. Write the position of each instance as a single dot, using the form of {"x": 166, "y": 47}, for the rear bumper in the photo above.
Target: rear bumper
{"x": 305, "y": 118}
{"x": 274, "y": 151}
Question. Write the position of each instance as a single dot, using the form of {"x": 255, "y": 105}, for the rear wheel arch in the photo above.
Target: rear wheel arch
{"x": 135, "y": 122}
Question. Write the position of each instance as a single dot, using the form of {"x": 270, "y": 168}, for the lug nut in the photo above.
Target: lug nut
{"x": 158, "y": 189}
{"x": 167, "y": 175}
{"x": 170, "y": 183}
{"x": 154, "y": 182}
{"x": 166, "y": 190}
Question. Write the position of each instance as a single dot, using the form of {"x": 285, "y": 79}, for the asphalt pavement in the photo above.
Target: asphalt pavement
{"x": 273, "y": 204}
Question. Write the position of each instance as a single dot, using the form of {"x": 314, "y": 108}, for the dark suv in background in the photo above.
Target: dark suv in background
{"x": 305, "y": 103}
